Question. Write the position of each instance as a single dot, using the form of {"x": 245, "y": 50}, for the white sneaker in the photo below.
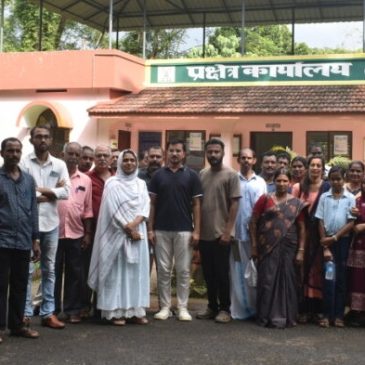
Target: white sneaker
{"x": 163, "y": 314}
{"x": 184, "y": 315}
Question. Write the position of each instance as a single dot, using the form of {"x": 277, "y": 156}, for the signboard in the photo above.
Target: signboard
{"x": 289, "y": 70}
{"x": 340, "y": 145}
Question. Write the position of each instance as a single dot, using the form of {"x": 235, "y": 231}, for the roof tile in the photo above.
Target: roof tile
{"x": 238, "y": 100}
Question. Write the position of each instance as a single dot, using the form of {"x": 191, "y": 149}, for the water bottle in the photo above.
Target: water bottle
{"x": 330, "y": 270}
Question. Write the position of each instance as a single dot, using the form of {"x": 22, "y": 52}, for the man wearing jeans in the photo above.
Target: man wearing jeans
{"x": 52, "y": 183}
{"x": 173, "y": 227}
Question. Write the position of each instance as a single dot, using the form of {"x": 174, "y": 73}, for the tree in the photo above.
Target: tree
{"x": 272, "y": 40}
{"x": 160, "y": 43}
{"x": 22, "y": 27}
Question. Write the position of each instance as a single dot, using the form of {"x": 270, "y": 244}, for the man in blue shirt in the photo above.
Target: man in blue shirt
{"x": 18, "y": 235}
{"x": 243, "y": 297}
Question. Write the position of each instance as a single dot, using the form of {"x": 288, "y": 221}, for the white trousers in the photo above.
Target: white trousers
{"x": 170, "y": 247}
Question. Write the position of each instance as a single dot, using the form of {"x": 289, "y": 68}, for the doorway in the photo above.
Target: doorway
{"x": 124, "y": 140}
{"x": 264, "y": 141}
{"x": 60, "y": 136}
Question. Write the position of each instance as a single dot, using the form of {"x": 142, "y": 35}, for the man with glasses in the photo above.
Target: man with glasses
{"x": 52, "y": 183}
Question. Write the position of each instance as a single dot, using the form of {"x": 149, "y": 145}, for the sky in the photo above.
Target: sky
{"x": 331, "y": 35}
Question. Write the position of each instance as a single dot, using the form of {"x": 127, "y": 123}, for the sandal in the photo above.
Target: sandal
{"x": 85, "y": 313}
{"x": 339, "y": 323}
{"x": 137, "y": 320}
{"x": 324, "y": 323}
{"x": 118, "y": 322}
{"x": 303, "y": 318}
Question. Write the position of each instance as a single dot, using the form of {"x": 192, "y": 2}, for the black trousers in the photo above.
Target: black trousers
{"x": 86, "y": 292}
{"x": 14, "y": 267}
{"x": 69, "y": 262}
{"x": 215, "y": 264}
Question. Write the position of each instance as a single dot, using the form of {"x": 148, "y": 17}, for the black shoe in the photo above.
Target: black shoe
{"x": 25, "y": 332}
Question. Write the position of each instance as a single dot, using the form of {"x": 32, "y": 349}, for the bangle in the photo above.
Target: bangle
{"x": 335, "y": 238}
{"x": 301, "y": 249}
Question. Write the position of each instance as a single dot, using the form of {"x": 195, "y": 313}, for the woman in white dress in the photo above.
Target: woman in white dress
{"x": 119, "y": 269}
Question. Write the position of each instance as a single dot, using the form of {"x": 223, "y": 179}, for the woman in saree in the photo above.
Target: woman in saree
{"x": 356, "y": 265}
{"x": 277, "y": 236}
{"x": 119, "y": 269}
{"x": 311, "y": 291}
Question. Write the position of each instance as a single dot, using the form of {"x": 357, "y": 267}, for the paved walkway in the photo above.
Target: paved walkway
{"x": 175, "y": 343}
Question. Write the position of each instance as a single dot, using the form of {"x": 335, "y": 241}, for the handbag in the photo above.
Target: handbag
{"x": 251, "y": 274}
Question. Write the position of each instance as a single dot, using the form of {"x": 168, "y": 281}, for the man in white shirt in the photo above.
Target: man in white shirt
{"x": 243, "y": 297}
{"x": 52, "y": 183}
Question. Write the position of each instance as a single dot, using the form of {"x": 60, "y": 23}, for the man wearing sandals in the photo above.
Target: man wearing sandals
{"x": 52, "y": 184}
{"x": 18, "y": 235}
{"x": 221, "y": 189}
{"x": 74, "y": 236}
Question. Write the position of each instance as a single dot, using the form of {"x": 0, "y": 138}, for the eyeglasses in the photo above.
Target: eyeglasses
{"x": 102, "y": 155}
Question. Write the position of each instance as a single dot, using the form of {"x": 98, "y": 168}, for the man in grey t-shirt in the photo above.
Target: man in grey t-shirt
{"x": 221, "y": 194}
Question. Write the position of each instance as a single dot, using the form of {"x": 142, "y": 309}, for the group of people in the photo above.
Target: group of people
{"x": 97, "y": 222}
{"x": 306, "y": 237}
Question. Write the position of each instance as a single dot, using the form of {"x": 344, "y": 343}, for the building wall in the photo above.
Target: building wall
{"x": 16, "y": 120}
{"x": 74, "y": 81}
{"x": 227, "y": 127}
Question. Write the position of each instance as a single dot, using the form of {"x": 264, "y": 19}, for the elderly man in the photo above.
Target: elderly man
{"x": 114, "y": 163}
{"x": 18, "y": 234}
{"x": 98, "y": 175}
{"x": 74, "y": 236}
{"x": 52, "y": 184}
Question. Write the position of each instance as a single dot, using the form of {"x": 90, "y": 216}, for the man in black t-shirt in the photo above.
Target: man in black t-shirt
{"x": 174, "y": 227}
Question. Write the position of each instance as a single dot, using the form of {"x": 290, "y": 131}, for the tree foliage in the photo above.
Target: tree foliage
{"x": 272, "y": 40}
{"x": 21, "y": 33}
{"x": 160, "y": 43}
{"x": 21, "y": 30}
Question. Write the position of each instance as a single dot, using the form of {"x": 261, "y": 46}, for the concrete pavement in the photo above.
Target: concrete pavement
{"x": 175, "y": 343}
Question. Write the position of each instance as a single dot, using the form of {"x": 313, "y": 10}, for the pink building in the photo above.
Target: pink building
{"x": 107, "y": 96}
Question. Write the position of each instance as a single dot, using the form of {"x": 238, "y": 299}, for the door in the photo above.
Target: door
{"x": 124, "y": 140}
{"x": 264, "y": 141}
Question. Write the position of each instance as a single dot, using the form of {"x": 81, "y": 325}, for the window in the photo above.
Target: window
{"x": 333, "y": 143}
{"x": 195, "y": 141}
{"x": 147, "y": 140}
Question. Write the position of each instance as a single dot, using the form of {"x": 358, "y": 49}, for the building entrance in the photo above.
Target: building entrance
{"x": 265, "y": 141}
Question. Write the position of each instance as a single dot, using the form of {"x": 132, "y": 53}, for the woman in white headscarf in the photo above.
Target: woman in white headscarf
{"x": 119, "y": 269}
